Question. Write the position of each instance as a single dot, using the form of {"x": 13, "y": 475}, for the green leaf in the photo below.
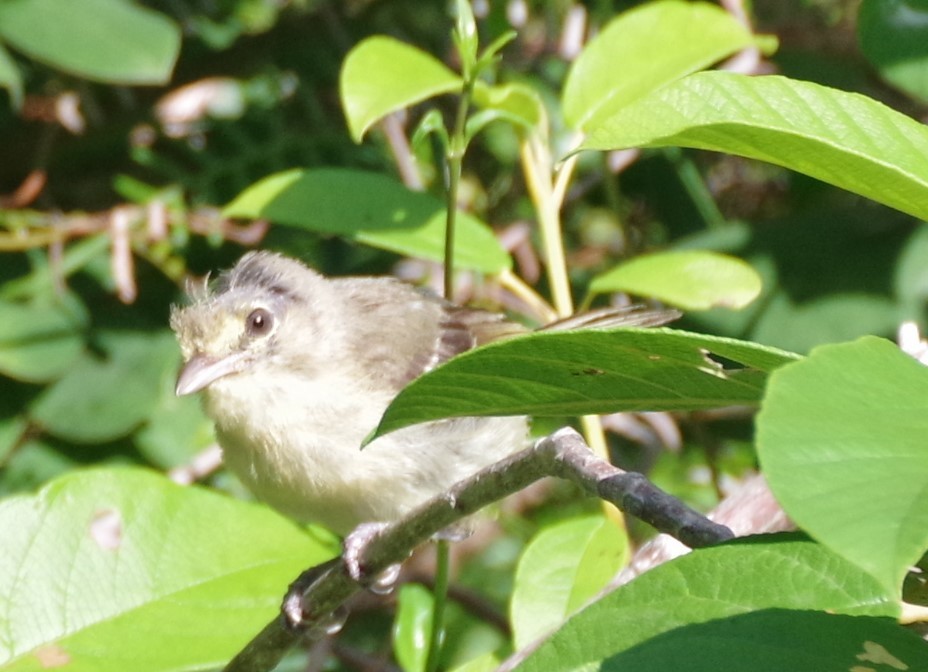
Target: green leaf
{"x": 778, "y": 639}
{"x": 892, "y": 36}
{"x": 102, "y": 564}
{"x": 712, "y": 586}
{"x": 841, "y": 441}
{"x": 552, "y": 373}
{"x": 382, "y": 75}
{"x": 10, "y": 78}
{"x": 516, "y": 103}
{"x": 413, "y": 627}
{"x": 370, "y": 209}
{"x": 563, "y": 567}
{"x": 842, "y": 138}
{"x": 38, "y": 342}
{"x": 176, "y": 430}
{"x": 103, "y": 400}
{"x": 642, "y": 50}
{"x": 111, "y": 41}
{"x": 692, "y": 280}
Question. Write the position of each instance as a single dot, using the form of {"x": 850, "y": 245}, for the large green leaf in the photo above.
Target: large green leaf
{"x": 114, "y": 41}
{"x": 591, "y": 371}
{"x": 843, "y": 138}
{"x": 371, "y": 209}
{"x": 644, "y": 49}
{"x": 654, "y": 618}
{"x": 102, "y": 399}
{"x": 692, "y": 280}
{"x": 381, "y": 75}
{"x": 563, "y": 567}
{"x": 38, "y": 342}
{"x": 102, "y": 569}
{"x": 841, "y": 438}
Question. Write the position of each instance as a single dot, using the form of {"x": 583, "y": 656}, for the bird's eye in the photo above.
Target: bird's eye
{"x": 259, "y": 322}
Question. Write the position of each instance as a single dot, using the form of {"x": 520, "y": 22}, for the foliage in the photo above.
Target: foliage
{"x": 799, "y": 239}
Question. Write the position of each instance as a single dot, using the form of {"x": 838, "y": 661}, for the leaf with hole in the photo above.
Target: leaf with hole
{"x": 101, "y": 563}
{"x": 593, "y": 371}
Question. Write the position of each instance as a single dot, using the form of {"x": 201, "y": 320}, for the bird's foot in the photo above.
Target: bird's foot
{"x": 353, "y": 549}
{"x": 293, "y": 609}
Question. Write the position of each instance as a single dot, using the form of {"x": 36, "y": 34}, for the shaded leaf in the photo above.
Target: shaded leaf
{"x": 589, "y": 372}
{"x": 381, "y": 75}
{"x": 100, "y": 564}
{"x": 105, "y": 40}
{"x": 692, "y": 280}
{"x": 38, "y": 342}
{"x": 370, "y": 209}
{"x": 892, "y": 36}
{"x": 846, "y": 139}
{"x": 841, "y": 441}
{"x": 643, "y": 49}
{"x": 104, "y": 399}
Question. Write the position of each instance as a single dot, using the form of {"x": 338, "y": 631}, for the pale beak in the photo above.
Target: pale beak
{"x": 203, "y": 370}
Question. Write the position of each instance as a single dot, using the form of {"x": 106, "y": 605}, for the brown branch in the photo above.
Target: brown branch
{"x": 562, "y": 454}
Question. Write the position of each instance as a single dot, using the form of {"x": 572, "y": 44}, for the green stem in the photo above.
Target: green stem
{"x": 696, "y": 188}
{"x": 440, "y": 592}
{"x": 546, "y": 196}
{"x": 456, "y": 149}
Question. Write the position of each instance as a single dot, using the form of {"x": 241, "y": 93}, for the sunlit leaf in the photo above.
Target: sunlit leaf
{"x": 381, "y": 75}
{"x": 692, "y": 280}
{"x": 842, "y": 138}
{"x": 371, "y": 209}
{"x": 643, "y": 49}
{"x": 560, "y": 570}
{"x": 841, "y": 441}
{"x": 102, "y": 564}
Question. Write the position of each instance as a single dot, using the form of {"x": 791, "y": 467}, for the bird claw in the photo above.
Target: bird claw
{"x": 292, "y": 606}
{"x": 354, "y": 546}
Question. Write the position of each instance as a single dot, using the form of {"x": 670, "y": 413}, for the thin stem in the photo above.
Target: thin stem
{"x": 536, "y": 164}
{"x": 440, "y": 593}
{"x": 456, "y": 149}
{"x": 519, "y": 288}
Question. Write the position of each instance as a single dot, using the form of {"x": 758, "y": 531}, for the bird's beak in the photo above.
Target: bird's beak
{"x": 202, "y": 370}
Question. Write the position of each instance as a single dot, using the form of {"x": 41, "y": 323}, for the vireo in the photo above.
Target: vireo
{"x": 297, "y": 369}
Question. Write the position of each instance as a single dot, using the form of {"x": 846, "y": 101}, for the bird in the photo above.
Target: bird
{"x": 296, "y": 369}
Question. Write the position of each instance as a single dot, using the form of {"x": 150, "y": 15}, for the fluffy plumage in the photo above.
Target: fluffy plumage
{"x": 297, "y": 369}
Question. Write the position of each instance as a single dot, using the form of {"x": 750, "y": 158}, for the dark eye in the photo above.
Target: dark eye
{"x": 259, "y": 322}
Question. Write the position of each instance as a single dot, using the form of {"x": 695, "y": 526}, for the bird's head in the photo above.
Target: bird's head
{"x": 253, "y": 320}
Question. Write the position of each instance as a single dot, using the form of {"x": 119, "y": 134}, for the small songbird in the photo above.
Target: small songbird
{"x": 297, "y": 369}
